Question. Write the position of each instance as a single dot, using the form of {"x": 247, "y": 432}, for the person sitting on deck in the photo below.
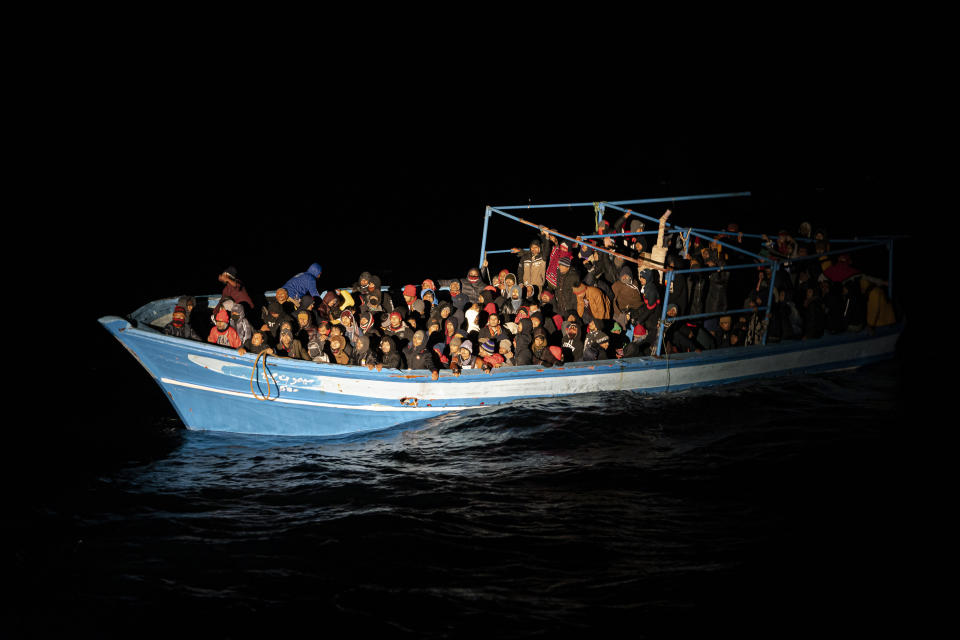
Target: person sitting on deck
{"x": 364, "y": 355}
{"x": 339, "y": 349}
{"x": 256, "y": 344}
{"x": 288, "y": 346}
{"x": 222, "y": 333}
{"x": 419, "y": 356}
{"x": 238, "y": 319}
{"x": 543, "y": 354}
{"x": 491, "y": 358}
{"x": 572, "y": 344}
{"x": 390, "y": 356}
{"x": 464, "y": 358}
{"x": 273, "y": 315}
{"x": 178, "y": 327}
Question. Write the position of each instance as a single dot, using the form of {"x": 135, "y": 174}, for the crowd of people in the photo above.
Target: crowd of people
{"x": 563, "y": 302}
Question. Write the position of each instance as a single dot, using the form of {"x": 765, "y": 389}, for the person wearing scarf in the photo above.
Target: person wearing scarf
{"x": 351, "y": 329}
{"x": 178, "y": 327}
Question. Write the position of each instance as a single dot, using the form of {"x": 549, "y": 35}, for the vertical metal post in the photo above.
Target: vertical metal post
{"x": 663, "y": 312}
{"x": 773, "y": 278}
{"x": 686, "y": 242}
{"x": 483, "y": 243}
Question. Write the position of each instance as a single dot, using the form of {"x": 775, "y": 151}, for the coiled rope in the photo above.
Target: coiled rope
{"x": 266, "y": 372}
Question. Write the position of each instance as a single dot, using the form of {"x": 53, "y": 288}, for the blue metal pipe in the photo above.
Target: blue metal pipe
{"x": 483, "y": 243}
{"x": 626, "y": 202}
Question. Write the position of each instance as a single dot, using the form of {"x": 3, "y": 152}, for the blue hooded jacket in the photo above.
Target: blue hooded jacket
{"x": 304, "y": 283}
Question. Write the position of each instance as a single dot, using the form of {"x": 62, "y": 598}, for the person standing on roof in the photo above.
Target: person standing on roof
{"x": 304, "y": 283}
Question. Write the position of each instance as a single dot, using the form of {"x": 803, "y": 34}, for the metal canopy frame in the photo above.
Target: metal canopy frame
{"x": 687, "y": 233}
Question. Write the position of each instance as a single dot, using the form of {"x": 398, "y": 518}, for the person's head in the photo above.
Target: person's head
{"x": 535, "y": 248}
{"x": 493, "y": 320}
{"x": 450, "y": 326}
{"x": 179, "y": 316}
{"x": 336, "y": 330}
{"x": 473, "y": 275}
{"x": 256, "y": 339}
{"x": 386, "y": 345}
{"x": 324, "y": 328}
{"x": 282, "y": 295}
{"x": 286, "y": 333}
{"x": 418, "y": 338}
{"x": 510, "y": 280}
{"x": 409, "y": 293}
{"x": 539, "y": 339}
{"x": 455, "y": 288}
{"x": 445, "y": 311}
{"x": 572, "y": 329}
{"x": 229, "y": 276}
{"x": 563, "y": 265}
{"x": 464, "y": 353}
{"x": 222, "y": 319}
{"x": 303, "y": 317}
{"x": 725, "y": 323}
{"x": 428, "y": 296}
{"x": 396, "y": 319}
{"x": 504, "y": 346}
{"x": 346, "y": 318}
{"x": 672, "y": 310}
{"x": 337, "y": 343}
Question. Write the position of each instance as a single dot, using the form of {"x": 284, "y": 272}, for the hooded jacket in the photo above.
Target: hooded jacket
{"x": 304, "y": 282}
{"x": 391, "y": 359}
{"x": 226, "y": 338}
{"x": 419, "y": 356}
{"x": 363, "y": 355}
{"x": 572, "y": 345}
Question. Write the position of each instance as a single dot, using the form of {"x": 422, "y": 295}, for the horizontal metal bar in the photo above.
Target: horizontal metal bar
{"x": 720, "y": 313}
{"x": 624, "y": 202}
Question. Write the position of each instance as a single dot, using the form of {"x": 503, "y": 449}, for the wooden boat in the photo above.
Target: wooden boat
{"x": 215, "y": 388}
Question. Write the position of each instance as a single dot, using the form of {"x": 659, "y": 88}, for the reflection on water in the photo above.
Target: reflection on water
{"x": 686, "y": 511}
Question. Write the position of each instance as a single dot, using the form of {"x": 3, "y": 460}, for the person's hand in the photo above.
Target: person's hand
{"x": 241, "y": 351}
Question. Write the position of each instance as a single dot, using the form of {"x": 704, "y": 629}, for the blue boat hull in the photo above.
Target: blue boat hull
{"x": 216, "y": 389}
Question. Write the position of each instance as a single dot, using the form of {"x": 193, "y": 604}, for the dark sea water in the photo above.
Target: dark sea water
{"x": 768, "y": 509}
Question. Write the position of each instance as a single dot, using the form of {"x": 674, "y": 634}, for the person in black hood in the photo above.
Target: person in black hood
{"x": 390, "y": 356}
{"x": 364, "y": 356}
{"x": 419, "y": 356}
{"x": 543, "y": 354}
{"x": 567, "y": 280}
{"x": 273, "y": 315}
{"x": 648, "y": 315}
{"x": 523, "y": 342}
{"x": 572, "y": 342}
{"x": 178, "y": 326}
